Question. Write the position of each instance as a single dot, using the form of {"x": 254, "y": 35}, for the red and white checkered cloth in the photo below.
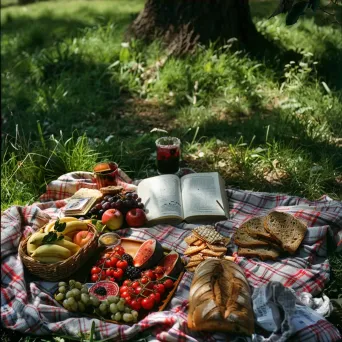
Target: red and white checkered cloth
{"x": 28, "y": 308}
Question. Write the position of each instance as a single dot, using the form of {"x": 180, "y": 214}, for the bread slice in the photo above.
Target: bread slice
{"x": 263, "y": 253}
{"x": 242, "y": 238}
{"x": 255, "y": 227}
{"x": 287, "y": 230}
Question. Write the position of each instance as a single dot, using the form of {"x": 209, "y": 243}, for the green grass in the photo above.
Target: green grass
{"x": 266, "y": 123}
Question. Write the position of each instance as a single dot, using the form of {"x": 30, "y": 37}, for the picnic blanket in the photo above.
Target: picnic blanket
{"x": 26, "y": 305}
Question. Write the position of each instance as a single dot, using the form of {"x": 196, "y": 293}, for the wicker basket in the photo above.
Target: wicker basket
{"x": 63, "y": 269}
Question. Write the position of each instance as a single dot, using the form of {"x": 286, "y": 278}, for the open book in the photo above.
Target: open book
{"x": 194, "y": 198}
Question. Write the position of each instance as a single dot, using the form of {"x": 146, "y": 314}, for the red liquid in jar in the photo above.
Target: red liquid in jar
{"x": 168, "y": 159}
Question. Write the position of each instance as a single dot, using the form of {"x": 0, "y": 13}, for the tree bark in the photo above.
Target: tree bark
{"x": 181, "y": 24}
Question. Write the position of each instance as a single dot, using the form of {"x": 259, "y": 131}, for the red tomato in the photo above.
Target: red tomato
{"x": 150, "y": 285}
{"x": 119, "y": 250}
{"x": 168, "y": 283}
{"x": 95, "y": 270}
{"x": 112, "y": 279}
{"x": 128, "y": 300}
{"x": 127, "y": 282}
{"x": 138, "y": 290}
{"x": 135, "y": 305}
{"x": 144, "y": 280}
{"x": 122, "y": 264}
{"x": 123, "y": 288}
{"x": 148, "y": 303}
{"x": 118, "y": 273}
{"x": 160, "y": 288}
{"x": 135, "y": 284}
{"x": 150, "y": 274}
{"x": 131, "y": 291}
{"x": 107, "y": 263}
{"x": 124, "y": 294}
{"x": 157, "y": 297}
{"x": 103, "y": 275}
{"x": 113, "y": 261}
{"x": 159, "y": 276}
{"x": 109, "y": 272}
{"x": 94, "y": 278}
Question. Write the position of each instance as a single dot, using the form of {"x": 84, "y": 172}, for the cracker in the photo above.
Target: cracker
{"x": 209, "y": 234}
{"x": 196, "y": 257}
{"x": 208, "y": 251}
{"x": 194, "y": 263}
{"x": 194, "y": 249}
{"x": 198, "y": 243}
{"x": 217, "y": 248}
{"x": 190, "y": 239}
{"x": 191, "y": 269}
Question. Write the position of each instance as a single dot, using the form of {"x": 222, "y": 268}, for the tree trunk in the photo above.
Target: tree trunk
{"x": 183, "y": 23}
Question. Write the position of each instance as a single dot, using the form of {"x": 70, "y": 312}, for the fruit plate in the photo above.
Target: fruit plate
{"x": 131, "y": 246}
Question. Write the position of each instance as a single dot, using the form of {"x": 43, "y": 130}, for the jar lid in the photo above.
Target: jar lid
{"x": 105, "y": 167}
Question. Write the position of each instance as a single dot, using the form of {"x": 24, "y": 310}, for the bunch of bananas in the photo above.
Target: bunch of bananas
{"x": 58, "y": 250}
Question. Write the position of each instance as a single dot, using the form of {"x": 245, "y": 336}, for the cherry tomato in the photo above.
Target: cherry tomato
{"x": 138, "y": 290}
{"x": 168, "y": 283}
{"x": 148, "y": 303}
{"x": 107, "y": 263}
{"x": 119, "y": 250}
{"x": 113, "y": 261}
{"x": 159, "y": 269}
{"x": 95, "y": 270}
{"x": 109, "y": 272}
{"x": 124, "y": 294}
{"x": 94, "y": 278}
{"x": 159, "y": 275}
{"x": 112, "y": 279}
{"x": 160, "y": 288}
{"x": 149, "y": 285}
{"x": 131, "y": 291}
{"x": 139, "y": 300}
{"x": 157, "y": 297}
{"x": 150, "y": 274}
{"x": 127, "y": 282}
{"x": 122, "y": 264}
{"x": 123, "y": 288}
{"x": 135, "y": 284}
{"x": 103, "y": 275}
{"x": 118, "y": 273}
{"x": 135, "y": 305}
{"x": 144, "y": 280}
{"x": 128, "y": 300}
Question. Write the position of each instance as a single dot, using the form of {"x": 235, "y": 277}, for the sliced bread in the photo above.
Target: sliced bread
{"x": 263, "y": 253}
{"x": 256, "y": 229}
{"x": 242, "y": 238}
{"x": 286, "y": 229}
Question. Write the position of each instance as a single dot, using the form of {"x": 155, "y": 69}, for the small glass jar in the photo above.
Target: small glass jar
{"x": 105, "y": 174}
{"x": 109, "y": 240}
{"x": 168, "y": 155}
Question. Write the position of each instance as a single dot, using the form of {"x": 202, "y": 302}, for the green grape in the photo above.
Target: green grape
{"x": 122, "y": 300}
{"x": 135, "y": 313}
{"x": 127, "y": 317}
{"x": 85, "y": 298}
{"x": 78, "y": 285}
{"x": 81, "y": 307}
{"x": 74, "y": 307}
{"x": 103, "y": 307}
{"x": 120, "y": 306}
{"x": 117, "y": 316}
{"x": 113, "y": 308}
{"x": 60, "y": 296}
{"x": 127, "y": 309}
{"x": 69, "y": 294}
{"x": 62, "y": 283}
{"x": 71, "y": 300}
{"x": 77, "y": 293}
{"x": 112, "y": 317}
{"x": 113, "y": 299}
{"x": 66, "y": 304}
{"x": 84, "y": 289}
{"x": 94, "y": 301}
{"x": 62, "y": 289}
{"x": 72, "y": 282}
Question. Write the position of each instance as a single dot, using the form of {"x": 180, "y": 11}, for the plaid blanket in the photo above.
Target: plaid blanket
{"x": 27, "y": 307}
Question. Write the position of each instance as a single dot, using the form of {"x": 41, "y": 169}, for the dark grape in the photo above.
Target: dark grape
{"x": 98, "y": 206}
{"x": 103, "y": 202}
{"x": 106, "y": 206}
{"x": 106, "y": 198}
{"x": 129, "y": 196}
{"x": 135, "y": 196}
{"x": 113, "y": 205}
{"x": 138, "y": 199}
{"x": 111, "y": 199}
{"x": 141, "y": 205}
{"x": 101, "y": 212}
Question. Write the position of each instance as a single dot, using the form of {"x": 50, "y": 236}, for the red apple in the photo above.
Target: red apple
{"x": 81, "y": 238}
{"x": 113, "y": 219}
{"x": 136, "y": 217}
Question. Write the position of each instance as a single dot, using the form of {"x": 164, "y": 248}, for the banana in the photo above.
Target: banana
{"x": 34, "y": 242}
{"x": 51, "y": 250}
{"x": 74, "y": 226}
{"x": 67, "y": 238}
{"x": 87, "y": 221}
{"x": 49, "y": 260}
{"x": 72, "y": 247}
{"x": 50, "y": 226}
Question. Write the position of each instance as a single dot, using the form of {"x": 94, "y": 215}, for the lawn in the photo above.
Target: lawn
{"x": 73, "y": 94}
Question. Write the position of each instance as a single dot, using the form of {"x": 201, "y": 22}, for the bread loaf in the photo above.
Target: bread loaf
{"x": 220, "y": 299}
{"x": 263, "y": 253}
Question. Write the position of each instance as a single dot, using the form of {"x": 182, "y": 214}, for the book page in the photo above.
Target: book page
{"x": 161, "y": 196}
{"x": 200, "y": 193}
{"x": 77, "y": 204}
